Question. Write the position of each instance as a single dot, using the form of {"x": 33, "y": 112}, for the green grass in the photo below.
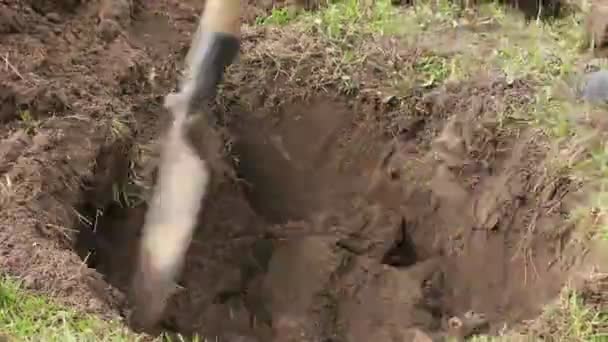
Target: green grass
{"x": 27, "y": 317}
{"x": 577, "y": 321}
{"x": 569, "y": 319}
{"x": 278, "y": 16}
{"x": 339, "y": 19}
{"x": 30, "y": 124}
{"x": 432, "y": 70}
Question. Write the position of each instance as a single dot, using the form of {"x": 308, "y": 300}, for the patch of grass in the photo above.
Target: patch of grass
{"x": 31, "y": 124}
{"x": 575, "y": 321}
{"x": 339, "y": 43}
{"x": 347, "y": 19}
{"x": 119, "y": 128}
{"x": 571, "y": 124}
{"x": 520, "y": 58}
{"x": 551, "y": 114}
{"x": 278, "y": 16}
{"x": 26, "y": 317}
{"x": 431, "y": 17}
{"x": 432, "y": 70}
{"x": 29, "y": 317}
{"x": 460, "y": 68}
{"x": 571, "y": 318}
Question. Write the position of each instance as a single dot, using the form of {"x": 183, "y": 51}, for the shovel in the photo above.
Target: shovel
{"x": 183, "y": 175}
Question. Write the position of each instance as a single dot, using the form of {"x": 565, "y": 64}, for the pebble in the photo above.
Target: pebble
{"x": 53, "y": 17}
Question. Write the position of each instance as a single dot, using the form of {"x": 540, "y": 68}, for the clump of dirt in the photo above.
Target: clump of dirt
{"x": 355, "y": 215}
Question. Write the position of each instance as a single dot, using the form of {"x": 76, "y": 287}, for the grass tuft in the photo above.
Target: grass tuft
{"x": 278, "y": 16}
{"x": 27, "y": 317}
{"x": 432, "y": 70}
{"x": 29, "y": 122}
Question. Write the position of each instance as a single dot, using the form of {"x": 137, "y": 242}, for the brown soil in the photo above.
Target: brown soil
{"x": 351, "y": 219}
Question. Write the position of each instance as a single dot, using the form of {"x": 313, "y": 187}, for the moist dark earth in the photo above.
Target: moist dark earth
{"x": 333, "y": 215}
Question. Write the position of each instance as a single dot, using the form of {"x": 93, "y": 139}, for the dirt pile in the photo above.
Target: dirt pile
{"x": 353, "y": 216}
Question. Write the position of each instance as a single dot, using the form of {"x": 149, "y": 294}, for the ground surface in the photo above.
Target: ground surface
{"x": 376, "y": 194}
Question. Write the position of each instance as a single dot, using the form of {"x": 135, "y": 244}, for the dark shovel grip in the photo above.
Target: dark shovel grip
{"x": 221, "y": 52}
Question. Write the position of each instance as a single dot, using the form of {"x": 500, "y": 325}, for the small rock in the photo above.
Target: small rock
{"x": 595, "y": 88}
{"x": 53, "y": 17}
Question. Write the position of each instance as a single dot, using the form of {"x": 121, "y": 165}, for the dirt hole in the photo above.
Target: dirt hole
{"x": 339, "y": 231}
